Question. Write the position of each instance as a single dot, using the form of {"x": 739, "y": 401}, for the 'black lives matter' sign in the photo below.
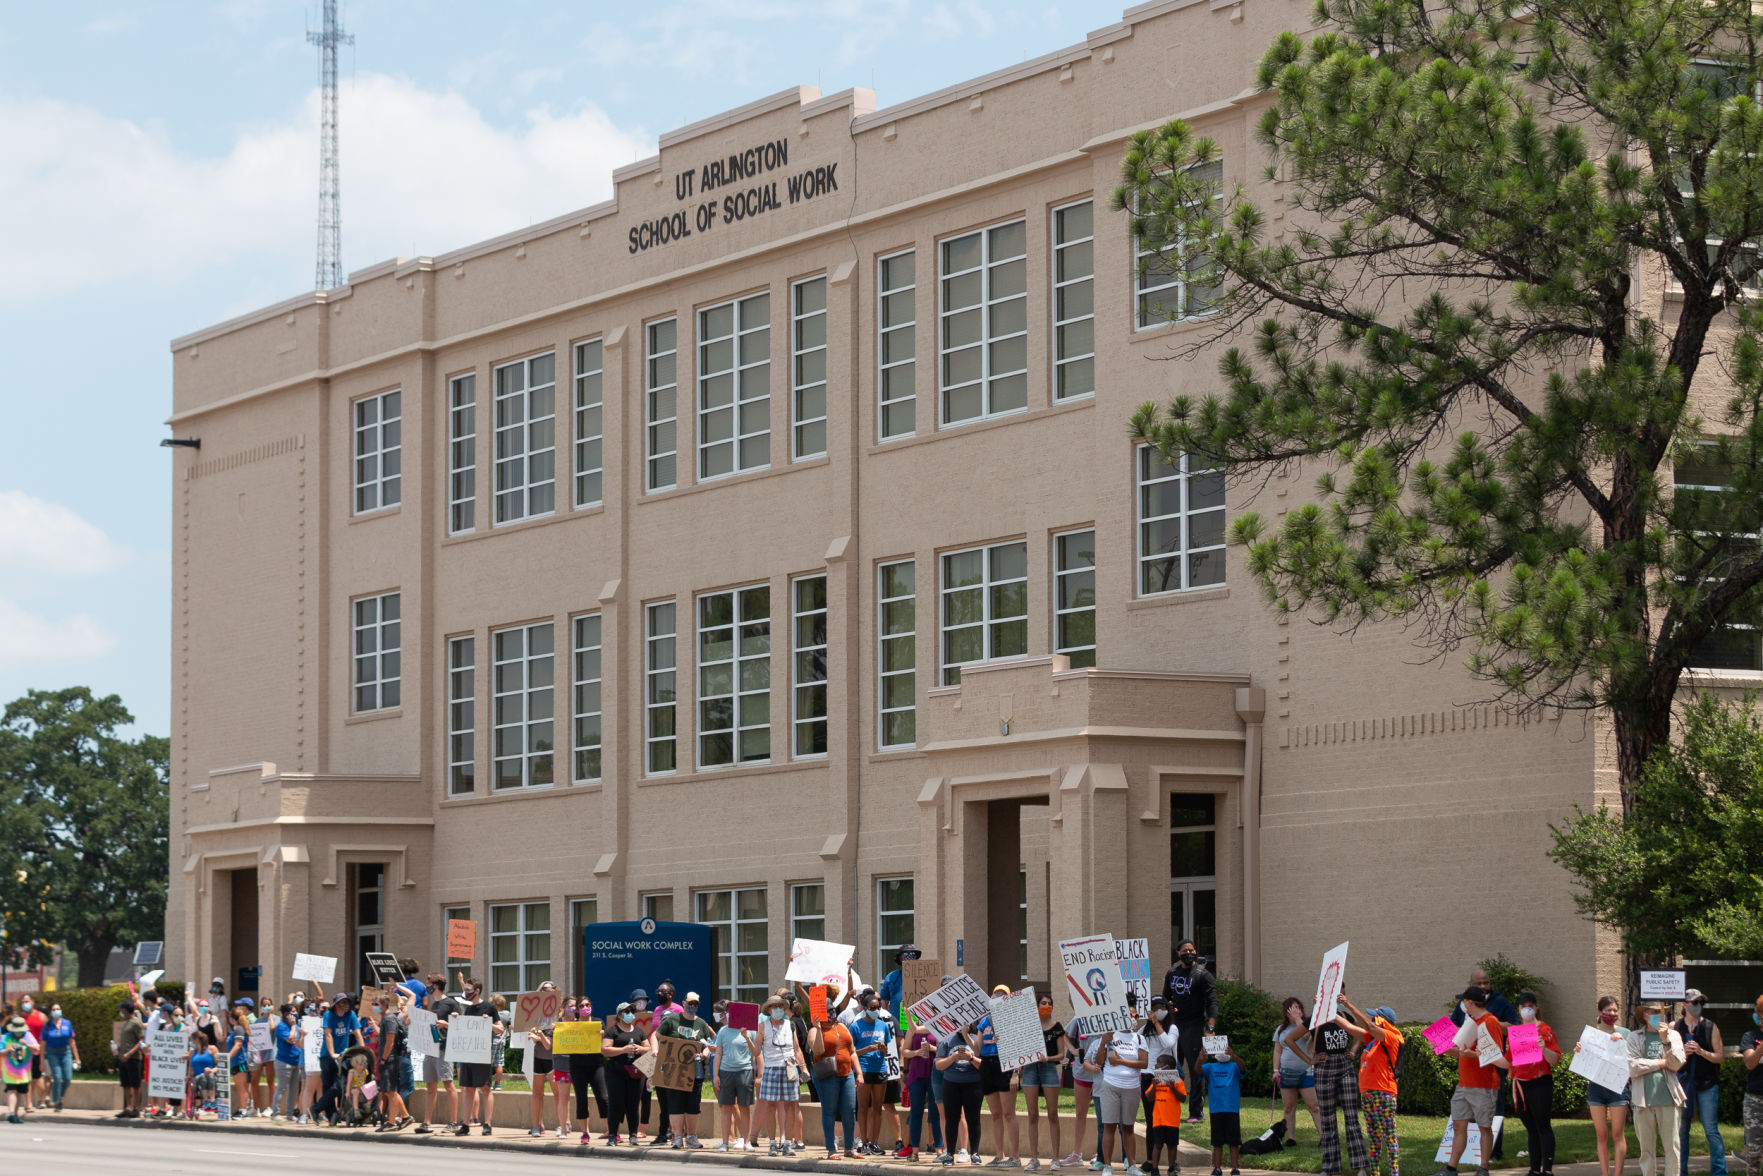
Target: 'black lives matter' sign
{"x": 756, "y": 191}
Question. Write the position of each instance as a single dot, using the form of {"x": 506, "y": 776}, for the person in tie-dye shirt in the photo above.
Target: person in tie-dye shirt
{"x": 16, "y": 1049}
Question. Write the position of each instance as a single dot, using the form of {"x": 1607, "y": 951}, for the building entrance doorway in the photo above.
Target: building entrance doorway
{"x": 1193, "y": 872}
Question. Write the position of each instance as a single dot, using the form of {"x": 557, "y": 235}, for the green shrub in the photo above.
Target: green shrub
{"x": 92, "y": 1011}
{"x": 1510, "y": 979}
{"x": 1250, "y": 1016}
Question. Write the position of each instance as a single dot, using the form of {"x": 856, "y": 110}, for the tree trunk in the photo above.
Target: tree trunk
{"x": 93, "y": 957}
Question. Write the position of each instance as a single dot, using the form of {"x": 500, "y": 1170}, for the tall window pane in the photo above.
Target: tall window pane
{"x": 526, "y": 431}
{"x": 808, "y": 911}
{"x": 462, "y": 454}
{"x": 894, "y": 919}
{"x": 985, "y": 606}
{"x": 1074, "y": 301}
{"x": 522, "y": 741}
{"x": 1164, "y": 283}
{"x": 983, "y": 285}
{"x": 461, "y": 716}
{"x": 1181, "y": 523}
{"x": 808, "y": 367}
{"x": 583, "y": 913}
{"x": 896, "y": 392}
{"x": 897, "y": 627}
{"x": 1074, "y": 597}
{"x": 590, "y": 370}
{"x": 738, "y": 925}
{"x": 661, "y": 411}
{"x": 378, "y": 665}
{"x": 520, "y": 946}
{"x": 1705, "y": 502}
{"x": 379, "y": 451}
{"x": 734, "y": 387}
{"x": 734, "y": 677}
{"x": 587, "y": 698}
{"x": 808, "y": 666}
{"x": 658, "y": 705}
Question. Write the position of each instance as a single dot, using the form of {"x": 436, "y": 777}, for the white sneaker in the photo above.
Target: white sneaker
{"x": 1096, "y": 1166}
{"x": 961, "y": 1156}
{"x": 722, "y": 1147}
{"x": 1056, "y": 1165}
{"x": 1135, "y": 1170}
{"x": 1107, "y": 1170}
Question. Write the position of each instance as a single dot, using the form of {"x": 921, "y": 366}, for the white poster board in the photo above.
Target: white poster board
{"x": 1210, "y": 1044}
{"x": 314, "y": 967}
{"x": 1328, "y": 985}
{"x": 1471, "y": 1153}
{"x": 421, "y": 1034}
{"x": 1601, "y": 1060}
{"x": 262, "y": 1034}
{"x": 312, "y": 1041}
{"x": 1016, "y": 1022}
{"x": 1665, "y": 985}
{"x": 952, "y": 1006}
{"x": 1488, "y": 1051}
{"x": 169, "y": 1054}
{"x": 468, "y": 1040}
{"x": 815, "y": 961}
{"x": 1098, "y": 994}
{"x": 1134, "y": 958}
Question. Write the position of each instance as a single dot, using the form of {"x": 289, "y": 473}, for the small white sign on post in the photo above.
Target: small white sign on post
{"x": 815, "y": 961}
{"x": 1098, "y": 994}
{"x": 468, "y": 1040}
{"x": 1664, "y": 985}
{"x": 954, "y": 1005}
{"x": 1328, "y": 985}
{"x": 1016, "y": 1023}
{"x": 1472, "y": 1152}
{"x": 421, "y": 1039}
{"x": 168, "y": 1051}
{"x": 314, "y": 967}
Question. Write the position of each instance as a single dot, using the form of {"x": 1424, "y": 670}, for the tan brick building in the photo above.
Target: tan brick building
{"x": 766, "y": 547}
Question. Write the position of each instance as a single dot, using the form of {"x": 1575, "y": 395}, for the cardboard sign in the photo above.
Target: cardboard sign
{"x": 575, "y": 1037}
{"x": 817, "y": 1003}
{"x": 1210, "y": 1044}
{"x": 1522, "y": 1041}
{"x": 421, "y": 1034}
{"x": 537, "y": 1010}
{"x": 468, "y": 1040}
{"x": 262, "y": 1034}
{"x": 1134, "y": 958}
{"x": 1441, "y": 1034}
{"x": 385, "y": 970}
{"x": 169, "y": 1051}
{"x": 742, "y": 1015}
{"x": 645, "y": 1021}
{"x": 1016, "y": 1023}
{"x": 1601, "y": 1060}
{"x": 676, "y": 1063}
{"x": 314, "y": 967}
{"x": 645, "y": 1065}
{"x": 1666, "y": 985}
{"x": 1092, "y": 977}
{"x": 461, "y": 939}
{"x": 815, "y": 961}
{"x": 370, "y": 995}
{"x": 312, "y": 1041}
{"x": 956, "y": 1004}
{"x": 1488, "y": 1051}
{"x": 1328, "y": 985}
{"x": 1472, "y": 1153}
{"x": 918, "y": 979}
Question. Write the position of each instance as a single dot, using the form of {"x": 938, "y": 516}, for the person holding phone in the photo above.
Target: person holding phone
{"x": 1655, "y": 1055}
{"x": 623, "y": 1042}
{"x": 958, "y": 1059}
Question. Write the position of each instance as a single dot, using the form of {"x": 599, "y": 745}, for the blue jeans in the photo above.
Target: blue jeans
{"x": 60, "y": 1066}
{"x": 406, "y": 1077}
{"x": 838, "y": 1098}
{"x": 1703, "y": 1105}
{"x": 921, "y": 1096}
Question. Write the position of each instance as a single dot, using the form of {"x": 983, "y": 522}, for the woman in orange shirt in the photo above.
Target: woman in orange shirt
{"x": 831, "y": 1058}
{"x": 1533, "y": 1089}
{"x": 1377, "y": 1086}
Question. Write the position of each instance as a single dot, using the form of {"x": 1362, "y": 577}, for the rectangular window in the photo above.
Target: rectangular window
{"x": 587, "y": 698}
{"x": 1193, "y": 871}
{"x": 734, "y": 387}
{"x": 984, "y": 289}
{"x": 583, "y": 913}
{"x": 379, "y": 422}
{"x": 738, "y": 928}
{"x": 734, "y": 677}
{"x": 808, "y": 367}
{"x": 377, "y": 642}
{"x": 1074, "y": 301}
{"x": 893, "y": 919}
{"x": 462, "y": 454}
{"x": 659, "y": 906}
{"x": 590, "y": 371}
{"x": 808, "y": 911}
{"x": 896, "y": 628}
{"x": 449, "y": 914}
{"x": 521, "y": 675}
{"x": 1181, "y": 523}
{"x": 1074, "y": 597}
{"x": 1704, "y": 504}
{"x": 985, "y": 606}
{"x": 520, "y": 946}
{"x": 896, "y": 386}
{"x": 1161, "y": 280}
{"x": 661, "y": 410}
{"x": 461, "y": 716}
{"x": 808, "y": 604}
{"x": 526, "y": 433}
{"x": 659, "y": 695}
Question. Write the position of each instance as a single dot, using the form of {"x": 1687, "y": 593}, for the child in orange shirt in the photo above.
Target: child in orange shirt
{"x": 1165, "y": 1129}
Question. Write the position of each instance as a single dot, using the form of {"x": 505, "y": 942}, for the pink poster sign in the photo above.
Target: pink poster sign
{"x": 1521, "y": 1042}
{"x": 1440, "y": 1033}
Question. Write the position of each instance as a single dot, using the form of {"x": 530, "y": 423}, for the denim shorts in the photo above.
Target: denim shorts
{"x": 1042, "y": 1074}
{"x": 1603, "y": 1096}
{"x": 1296, "y": 1080}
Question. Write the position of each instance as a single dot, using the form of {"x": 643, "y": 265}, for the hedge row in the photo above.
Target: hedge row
{"x": 93, "y": 1012}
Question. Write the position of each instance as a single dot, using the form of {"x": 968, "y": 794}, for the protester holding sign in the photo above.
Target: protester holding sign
{"x": 923, "y": 1088}
{"x": 1609, "y": 1104}
{"x": 1225, "y": 1074}
{"x": 1655, "y": 1057}
{"x": 1533, "y": 1084}
{"x": 474, "y": 1076}
{"x": 998, "y": 1086}
{"x": 538, "y": 1044}
{"x": 832, "y": 1056}
{"x": 435, "y": 1066}
{"x": 1337, "y": 1088}
{"x": 958, "y": 1059}
{"x": 1377, "y": 1085}
{"x": 1117, "y": 1098}
{"x": 731, "y": 1077}
{"x": 1042, "y": 1077}
{"x": 780, "y": 1075}
{"x": 623, "y": 1041}
{"x": 684, "y": 1106}
{"x": 1478, "y": 1085}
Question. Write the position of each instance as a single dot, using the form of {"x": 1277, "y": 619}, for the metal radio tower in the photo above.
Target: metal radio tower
{"x": 330, "y": 211}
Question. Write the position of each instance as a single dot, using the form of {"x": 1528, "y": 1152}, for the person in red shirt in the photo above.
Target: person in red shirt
{"x": 1478, "y": 1086}
{"x": 1534, "y": 1089}
{"x": 35, "y": 1019}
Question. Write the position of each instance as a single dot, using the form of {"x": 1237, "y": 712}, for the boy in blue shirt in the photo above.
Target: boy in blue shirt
{"x": 1225, "y": 1092}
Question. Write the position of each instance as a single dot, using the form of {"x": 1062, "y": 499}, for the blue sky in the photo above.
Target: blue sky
{"x": 160, "y": 174}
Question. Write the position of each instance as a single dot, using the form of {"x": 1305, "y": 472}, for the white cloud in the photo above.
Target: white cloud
{"x": 101, "y": 199}
{"x": 25, "y": 636}
{"x": 43, "y": 538}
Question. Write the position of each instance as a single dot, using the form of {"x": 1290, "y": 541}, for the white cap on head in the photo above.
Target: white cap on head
{"x": 691, "y": 998}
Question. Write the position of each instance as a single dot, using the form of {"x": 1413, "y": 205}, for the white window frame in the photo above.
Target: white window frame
{"x": 533, "y": 493}
{"x": 808, "y": 668}
{"x": 755, "y": 992}
{"x": 379, "y": 458}
{"x": 378, "y": 652}
{"x": 749, "y": 708}
{"x": 1183, "y": 555}
{"x": 587, "y": 701}
{"x": 590, "y": 422}
{"x": 1177, "y": 272}
{"x": 987, "y": 380}
{"x": 883, "y": 636}
{"x": 652, "y": 906}
{"x": 536, "y": 690}
{"x": 660, "y": 686}
{"x": 884, "y": 950}
{"x": 1063, "y": 572}
{"x": 1728, "y": 626}
{"x": 462, "y": 454}
{"x": 579, "y": 907}
{"x": 886, "y": 295}
{"x": 802, "y": 926}
{"x": 808, "y": 360}
{"x": 989, "y": 623}
{"x": 462, "y": 715}
{"x": 531, "y": 970}
{"x": 661, "y": 405}
{"x": 740, "y": 371}
{"x": 1061, "y": 251}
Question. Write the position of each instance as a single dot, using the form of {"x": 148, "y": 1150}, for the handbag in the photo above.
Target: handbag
{"x": 826, "y": 1067}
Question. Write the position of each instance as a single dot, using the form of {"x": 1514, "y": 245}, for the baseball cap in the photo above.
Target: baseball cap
{"x": 1693, "y": 996}
{"x": 1474, "y": 995}
{"x": 1384, "y": 1011}
{"x": 691, "y": 998}
{"x": 246, "y": 1001}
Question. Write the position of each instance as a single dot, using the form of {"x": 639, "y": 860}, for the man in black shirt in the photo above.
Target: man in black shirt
{"x": 1751, "y": 1051}
{"x": 1192, "y": 994}
{"x": 394, "y": 1065}
{"x": 435, "y": 1067}
{"x": 474, "y": 1077}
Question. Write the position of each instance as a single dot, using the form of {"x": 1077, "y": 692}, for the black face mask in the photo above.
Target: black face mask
{"x": 1188, "y": 958}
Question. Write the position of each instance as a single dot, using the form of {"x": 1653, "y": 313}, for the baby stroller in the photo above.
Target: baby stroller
{"x": 336, "y": 1101}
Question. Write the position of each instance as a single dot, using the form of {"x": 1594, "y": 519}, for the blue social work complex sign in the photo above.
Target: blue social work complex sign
{"x": 618, "y": 957}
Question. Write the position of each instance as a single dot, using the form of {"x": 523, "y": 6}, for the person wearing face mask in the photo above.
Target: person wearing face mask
{"x": 1609, "y": 1108}
{"x": 131, "y": 1048}
{"x": 645, "y": 1020}
{"x": 1337, "y": 1089}
{"x": 290, "y": 1063}
{"x": 587, "y": 1075}
{"x": 621, "y": 1045}
{"x": 781, "y": 1066}
{"x": 1478, "y": 1086}
{"x": 683, "y": 1106}
{"x": 1037, "y": 1078}
{"x": 1192, "y": 993}
{"x": 1700, "y": 1078}
{"x": 1533, "y": 1086}
{"x": 1377, "y": 1086}
{"x": 1655, "y": 1054}
{"x": 871, "y": 1034}
{"x": 731, "y": 1076}
{"x": 1751, "y": 1053}
{"x": 1502, "y": 1009}
{"x": 61, "y": 1053}
{"x": 832, "y": 1053}
{"x": 662, "y": 1006}
{"x": 35, "y": 1019}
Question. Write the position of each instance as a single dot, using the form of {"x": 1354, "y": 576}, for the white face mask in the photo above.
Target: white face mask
{"x": 1463, "y": 1007}
{"x": 1528, "y": 1013}
{"x": 719, "y": 1017}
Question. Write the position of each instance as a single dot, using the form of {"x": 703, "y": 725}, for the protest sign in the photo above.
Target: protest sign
{"x": 223, "y": 1091}
{"x": 675, "y": 1063}
{"x": 1016, "y": 1022}
{"x": 421, "y": 1034}
{"x": 468, "y": 1040}
{"x": 575, "y": 1037}
{"x": 311, "y": 1041}
{"x": 1134, "y": 958}
{"x": 1601, "y": 1060}
{"x": 169, "y": 1051}
{"x": 262, "y": 1035}
{"x": 1166, "y": 1076}
{"x": 1522, "y": 1041}
{"x": 1214, "y": 1044}
{"x": 1472, "y": 1153}
{"x": 893, "y": 1060}
{"x": 537, "y": 1010}
{"x": 957, "y": 1003}
{"x": 1098, "y": 993}
{"x": 383, "y": 966}
{"x": 1328, "y": 985}
{"x": 314, "y": 967}
{"x": 1665, "y": 985}
{"x": 645, "y": 1065}
{"x": 742, "y": 1015}
{"x": 1466, "y": 1035}
{"x": 1488, "y": 1051}
{"x": 815, "y": 961}
{"x": 1441, "y": 1034}
{"x": 817, "y": 1003}
{"x": 461, "y": 939}
{"x": 370, "y": 1091}
{"x": 370, "y": 996}
{"x": 918, "y": 979}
